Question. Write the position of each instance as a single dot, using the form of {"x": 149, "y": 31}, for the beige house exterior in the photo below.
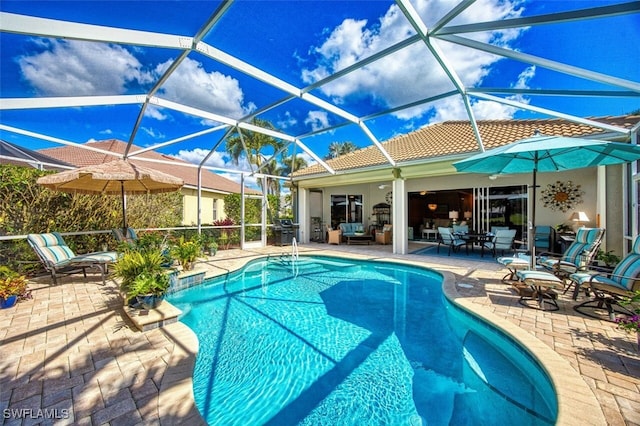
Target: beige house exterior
{"x": 213, "y": 186}
{"x": 424, "y": 167}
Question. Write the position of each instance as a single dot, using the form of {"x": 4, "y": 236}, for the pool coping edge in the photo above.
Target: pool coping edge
{"x": 577, "y": 404}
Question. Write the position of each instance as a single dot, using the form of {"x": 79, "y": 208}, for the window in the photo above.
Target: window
{"x": 345, "y": 208}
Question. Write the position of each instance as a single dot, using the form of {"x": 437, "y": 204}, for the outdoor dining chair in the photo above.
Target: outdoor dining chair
{"x": 609, "y": 289}
{"x": 447, "y": 237}
{"x": 502, "y": 240}
{"x": 58, "y": 258}
{"x": 460, "y": 229}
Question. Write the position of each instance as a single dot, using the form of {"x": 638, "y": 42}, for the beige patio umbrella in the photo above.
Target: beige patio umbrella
{"x": 119, "y": 177}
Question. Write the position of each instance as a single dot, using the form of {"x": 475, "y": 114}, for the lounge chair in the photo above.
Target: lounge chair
{"x": 447, "y": 238}
{"x": 577, "y": 256}
{"x": 129, "y": 236}
{"x": 58, "y": 258}
{"x": 609, "y": 289}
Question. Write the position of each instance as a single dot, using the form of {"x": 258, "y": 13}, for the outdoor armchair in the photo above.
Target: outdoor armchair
{"x": 334, "y": 236}
{"x": 384, "y": 236}
{"x": 609, "y": 289}
{"x": 58, "y": 258}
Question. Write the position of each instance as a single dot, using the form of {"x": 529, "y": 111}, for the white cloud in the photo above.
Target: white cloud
{"x": 153, "y": 132}
{"x": 287, "y": 121}
{"x": 525, "y": 77}
{"x": 192, "y": 85}
{"x": 70, "y": 67}
{"x": 77, "y": 68}
{"x": 220, "y": 160}
{"x": 317, "y": 120}
{"x": 217, "y": 159}
{"x": 411, "y": 72}
{"x": 153, "y": 111}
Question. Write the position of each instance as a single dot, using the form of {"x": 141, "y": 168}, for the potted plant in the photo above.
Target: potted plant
{"x": 208, "y": 244}
{"x": 213, "y": 248}
{"x": 13, "y": 287}
{"x": 149, "y": 289}
{"x": 563, "y": 228}
{"x": 225, "y": 230}
{"x": 608, "y": 258}
{"x": 142, "y": 273}
{"x": 631, "y": 324}
{"x": 186, "y": 252}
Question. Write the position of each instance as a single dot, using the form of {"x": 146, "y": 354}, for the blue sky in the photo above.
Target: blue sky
{"x": 301, "y": 42}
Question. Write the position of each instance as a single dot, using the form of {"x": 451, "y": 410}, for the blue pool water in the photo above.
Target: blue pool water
{"x": 330, "y": 341}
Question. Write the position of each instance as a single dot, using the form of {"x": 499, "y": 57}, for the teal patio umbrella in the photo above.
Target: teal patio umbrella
{"x": 547, "y": 154}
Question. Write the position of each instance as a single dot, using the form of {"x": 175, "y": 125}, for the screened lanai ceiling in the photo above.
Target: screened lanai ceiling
{"x": 183, "y": 77}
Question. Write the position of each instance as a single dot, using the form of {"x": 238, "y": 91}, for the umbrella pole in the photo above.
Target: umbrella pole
{"x": 124, "y": 208}
{"x": 532, "y": 233}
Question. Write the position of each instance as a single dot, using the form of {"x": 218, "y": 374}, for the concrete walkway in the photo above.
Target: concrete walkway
{"x": 71, "y": 356}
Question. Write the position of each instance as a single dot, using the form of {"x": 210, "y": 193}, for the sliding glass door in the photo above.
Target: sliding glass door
{"x": 501, "y": 206}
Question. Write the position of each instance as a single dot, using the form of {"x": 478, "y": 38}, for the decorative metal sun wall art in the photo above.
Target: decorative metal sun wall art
{"x": 562, "y": 196}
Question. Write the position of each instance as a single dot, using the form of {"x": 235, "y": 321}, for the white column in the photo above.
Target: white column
{"x": 399, "y": 208}
{"x": 264, "y": 216}
{"x": 304, "y": 220}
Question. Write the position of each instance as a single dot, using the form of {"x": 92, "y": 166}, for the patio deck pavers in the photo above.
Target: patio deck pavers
{"x": 72, "y": 348}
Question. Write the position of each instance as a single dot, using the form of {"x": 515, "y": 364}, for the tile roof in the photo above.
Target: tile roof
{"x": 24, "y": 156}
{"x": 456, "y": 137}
{"x": 80, "y": 157}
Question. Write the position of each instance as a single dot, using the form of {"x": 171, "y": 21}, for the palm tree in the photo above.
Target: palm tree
{"x": 336, "y": 149}
{"x": 254, "y": 141}
{"x": 271, "y": 168}
{"x": 290, "y": 164}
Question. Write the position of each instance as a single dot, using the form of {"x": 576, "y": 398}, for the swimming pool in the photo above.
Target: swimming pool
{"x": 334, "y": 341}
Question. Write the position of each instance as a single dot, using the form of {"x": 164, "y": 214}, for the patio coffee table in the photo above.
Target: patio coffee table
{"x": 359, "y": 239}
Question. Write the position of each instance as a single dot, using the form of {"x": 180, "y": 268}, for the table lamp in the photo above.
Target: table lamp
{"x": 579, "y": 218}
{"x": 453, "y": 215}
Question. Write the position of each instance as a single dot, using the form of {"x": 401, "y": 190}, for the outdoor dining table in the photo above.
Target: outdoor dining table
{"x": 478, "y": 238}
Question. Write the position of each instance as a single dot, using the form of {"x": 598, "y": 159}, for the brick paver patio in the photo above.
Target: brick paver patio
{"x": 71, "y": 356}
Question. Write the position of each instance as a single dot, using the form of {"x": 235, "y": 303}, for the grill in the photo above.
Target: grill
{"x": 283, "y": 230}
